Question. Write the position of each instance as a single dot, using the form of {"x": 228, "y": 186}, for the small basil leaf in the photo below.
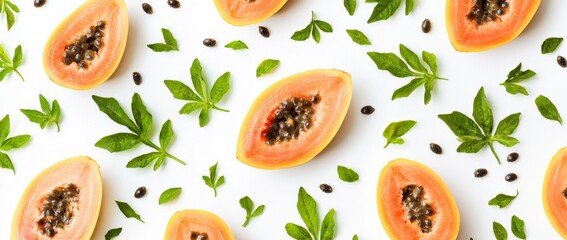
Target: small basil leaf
{"x": 358, "y": 37}
{"x": 204, "y": 117}
{"x": 197, "y": 78}
{"x": 181, "y": 91}
{"x": 324, "y": 26}
{"x": 429, "y": 85}
{"x": 347, "y": 174}
{"x": 508, "y": 125}
{"x": 502, "y": 200}
{"x": 165, "y": 135}
{"x": 396, "y": 130}
{"x": 409, "y": 6}
{"x": 128, "y": 211}
{"x": 143, "y": 160}
{"x": 350, "y": 6}
{"x": 391, "y": 63}
{"x": 14, "y": 142}
{"x": 6, "y": 162}
{"x": 518, "y": 227}
{"x": 297, "y": 232}
{"x": 4, "y": 128}
{"x": 192, "y": 106}
{"x": 18, "y": 57}
{"x": 316, "y": 34}
{"x": 355, "y": 237}
{"x": 328, "y": 226}
{"x": 547, "y": 109}
{"x": 460, "y": 124}
{"x": 220, "y": 88}
{"x": 307, "y": 208}
{"x": 384, "y": 10}
{"x": 407, "y": 89}
{"x": 168, "y": 38}
{"x": 141, "y": 115}
{"x": 412, "y": 59}
{"x": 169, "y": 195}
{"x": 10, "y": 18}
{"x": 159, "y": 161}
{"x": 34, "y": 115}
{"x": 499, "y": 231}
{"x": 550, "y": 44}
{"x": 431, "y": 61}
{"x": 114, "y": 111}
{"x": 472, "y": 146}
{"x": 112, "y": 233}
{"x": 236, "y": 45}
{"x": 161, "y": 47}
{"x": 302, "y": 34}
{"x": 267, "y": 66}
{"x": 482, "y": 112}
{"x": 44, "y": 105}
{"x": 513, "y": 88}
{"x": 506, "y": 140}
{"x": 118, "y": 142}
{"x": 247, "y": 204}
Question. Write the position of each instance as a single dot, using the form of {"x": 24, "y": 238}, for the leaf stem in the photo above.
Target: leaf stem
{"x": 19, "y": 74}
{"x": 152, "y": 145}
{"x": 494, "y": 152}
{"x": 246, "y": 222}
{"x": 220, "y": 109}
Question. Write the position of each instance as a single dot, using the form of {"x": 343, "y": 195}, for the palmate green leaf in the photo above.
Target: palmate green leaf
{"x": 482, "y": 112}
{"x": 384, "y": 10}
{"x": 6, "y": 162}
{"x": 197, "y": 79}
{"x": 114, "y": 111}
{"x": 112, "y": 233}
{"x": 118, "y": 142}
{"x": 307, "y": 208}
{"x": 328, "y": 226}
{"x": 267, "y": 66}
{"x": 181, "y": 91}
{"x": 547, "y": 109}
{"x": 358, "y": 37}
{"x": 169, "y": 195}
{"x": 502, "y": 200}
{"x": 128, "y": 211}
{"x": 143, "y": 160}
{"x": 391, "y": 63}
{"x": 141, "y": 115}
{"x": 297, "y": 232}
{"x": 412, "y": 59}
{"x": 517, "y": 226}
{"x": 165, "y": 135}
{"x": 499, "y": 231}
{"x": 396, "y": 130}
{"x": 220, "y": 88}
{"x": 350, "y": 6}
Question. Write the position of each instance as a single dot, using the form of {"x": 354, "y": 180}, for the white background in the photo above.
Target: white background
{"x": 357, "y": 145}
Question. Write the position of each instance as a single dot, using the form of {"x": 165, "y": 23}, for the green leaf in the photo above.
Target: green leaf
{"x": 429, "y": 85}
{"x": 118, "y": 142}
{"x": 482, "y": 112}
{"x": 112, "y": 233}
{"x": 6, "y": 162}
{"x": 472, "y": 146}
{"x": 407, "y": 89}
{"x": 431, "y": 61}
{"x": 316, "y": 34}
{"x": 350, "y": 6}
{"x": 159, "y": 161}
{"x": 192, "y": 106}
{"x": 396, "y": 130}
{"x": 514, "y": 72}
{"x": 506, "y": 140}
{"x": 302, "y": 34}
{"x": 324, "y": 26}
{"x": 168, "y": 38}
{"x": 409, "y": 6}
{"x": 358, "y": 36}
{"x": 10, "y": 19}
{"x": 198, "y": 80}
{"x": 12, "y": 6}
{"x": 212, "y": 180}
{"x": 516, "y": 76}
{"x": 258, "y": 211}
{"x": 347, "y": 174}
{"x": 165, "y": 135}
{"x": 181, "y": 91}
{"x": 142, "y": 117}
{"x": 236, "y": 45}
{"x": 169, "y": 195}
{"x": 355, "y": 237}
{"x": 15, "y": 142}
{"x": 4, "y": 128}
{"x": 460, "y": 124}
{"x": 384, "y": 10}
{"x": 220, "y": 182}
{"x": 4, "y": 55}
{"x": 247, "y": 204}
{"x": 499, "y": 231}
{"x": 412, "y": 59}
{"x": 267, "y": 66}
{"x": 328, "y": 226}
{"x": 44, "y": 105}
{"x": 518, "y": 227}
{"x": 220, "y": 88}
{"x": 4, "y": 73}
{"x": 502, "y": 200}
{"x": 56, "y": 113}
{"x": 515, "y": 89}
{"x": 391, "y": 63}
{"x": 307, "y": 208}
{"x": 508, "y": 125}
{"x": 18, "y": 57}
{"x": 50, "y": 113}
{"x": 208, "y": 181}
{"x": 161, "y": 47}
{"x": 550, "y": 44}
{"x": 128, "y": 211}
{"x": 114, "y": 111}
{"x": 35, "y": 116}
{"x": 297, "y": 232}
{"x": 547, "y": 109}
{"x": 204, "y": 117}
{"x": 143, "y": 160}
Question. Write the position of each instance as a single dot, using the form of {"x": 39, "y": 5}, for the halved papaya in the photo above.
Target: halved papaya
{"x": 86, "y": 48}
{"x": 247, "y": 12}
{"x": 294, "y": 119}
{"x": 197, "y": 224}
{"x": 62, "y": 202}
{"x": 414, "y": 202}
{"x": 554, "y": 193}
{"x": 478, "y": 25}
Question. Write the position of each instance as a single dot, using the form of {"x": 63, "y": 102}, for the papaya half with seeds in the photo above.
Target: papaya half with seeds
{"x": 478, "y": 25}
{"x": 554, "y": 193}
{"x": 414, "y": 203}
{"x": 62, "y": 202}
{"x": 197, "y": 224}
{"x": 247, "y": 12}
{"x": 294, "y": 119}
{"x": 86, "y": 48}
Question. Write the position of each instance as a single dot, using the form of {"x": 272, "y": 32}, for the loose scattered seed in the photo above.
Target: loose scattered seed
{"x": 147, "y": 8}
{"x": 209, "y": 42}
{"x": 174, "y": 3}
{"x": 140, "y": 192}
{"x": 481, "y": 172}
{"x": 137, "y": 78}
{"x": 510, "y": 177}
{"x": 435, "y": 148}
{"x": 562, "y": 61}
{"x": 326, "y": 188}
{"x": 57, "y": 209}
{"x": 512, "y": 157}
{"x": 426, "y": 26}
{"x": 367, "y": 110}
{"x": 264, "y": 31}
{"x": 290, "y": 118}
{"x": 85, "y": 47}
{"x": 38, "y": 3}
{"x": 417, "y": 210}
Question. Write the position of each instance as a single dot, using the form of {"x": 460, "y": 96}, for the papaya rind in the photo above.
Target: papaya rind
{"x": 545, "y": 200}
{"x": 180, "y": 214}
{"x": 244, "y": 22}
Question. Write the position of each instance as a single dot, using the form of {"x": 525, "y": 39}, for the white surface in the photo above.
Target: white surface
{"x": 358, "y": 144}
